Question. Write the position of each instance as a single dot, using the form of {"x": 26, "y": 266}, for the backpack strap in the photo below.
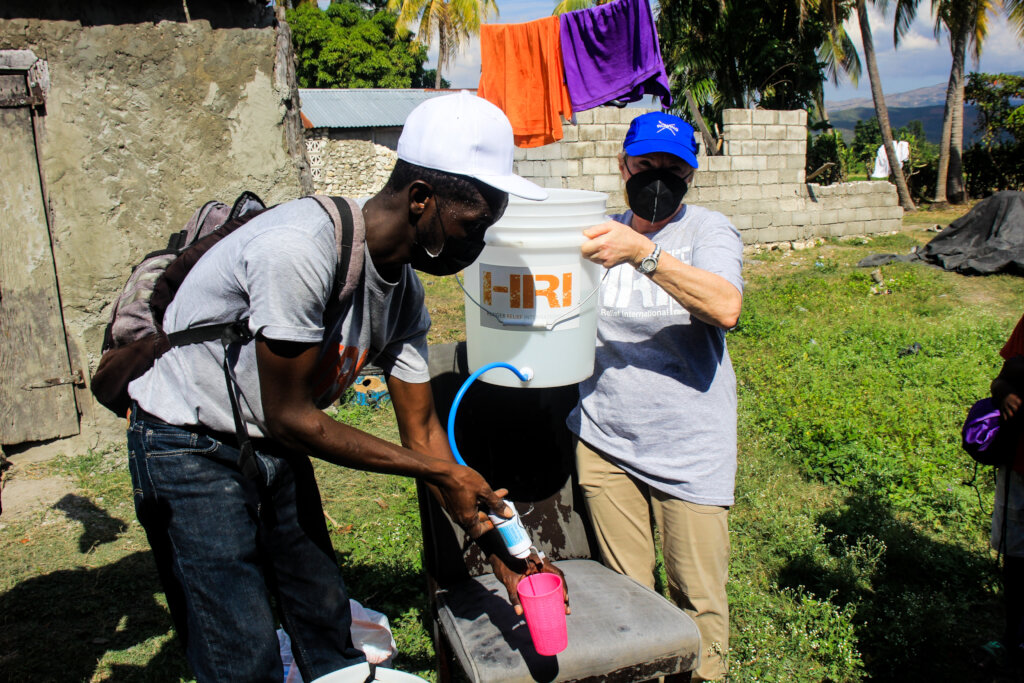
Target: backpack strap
{"x": 349, "y": 237}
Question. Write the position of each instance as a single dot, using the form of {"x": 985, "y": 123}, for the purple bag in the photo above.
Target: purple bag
{"x": 981, "y": 434}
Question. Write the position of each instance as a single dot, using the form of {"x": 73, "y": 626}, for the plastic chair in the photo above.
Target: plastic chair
{"x": 619, "y": 630}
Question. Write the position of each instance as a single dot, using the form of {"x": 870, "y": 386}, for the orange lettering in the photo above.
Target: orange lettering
{"x": 548, "y": 292}
{"x": 567, "y": 289}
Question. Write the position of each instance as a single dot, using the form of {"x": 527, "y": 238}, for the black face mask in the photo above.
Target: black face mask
{"x": 655, "y": 194}
{"x": 455, "y": 254}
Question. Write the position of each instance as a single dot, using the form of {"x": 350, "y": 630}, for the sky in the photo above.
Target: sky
{"x": 921, "y": 60}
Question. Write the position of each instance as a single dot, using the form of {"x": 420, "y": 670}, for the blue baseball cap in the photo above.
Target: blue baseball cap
{"x": 659, "y": 132}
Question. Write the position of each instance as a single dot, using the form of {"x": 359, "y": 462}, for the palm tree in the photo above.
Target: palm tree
{"x": 453, "y": 21}
{"x": 966, "y": 21}
{"x": 880, "y": 109}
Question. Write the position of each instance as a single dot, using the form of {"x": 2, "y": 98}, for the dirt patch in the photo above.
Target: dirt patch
{"x": 25, "y": 492}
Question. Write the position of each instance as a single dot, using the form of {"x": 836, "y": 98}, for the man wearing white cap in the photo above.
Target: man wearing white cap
{"x": 229, "y": 545}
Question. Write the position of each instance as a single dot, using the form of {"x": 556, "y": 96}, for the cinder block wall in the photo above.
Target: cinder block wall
{"x": 758, "y": 181}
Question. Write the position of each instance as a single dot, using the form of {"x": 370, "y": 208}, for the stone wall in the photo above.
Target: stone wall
{"x": 349, "y": 163}
{"x": 145, "y": 122}
{"x": 757, "y": 181}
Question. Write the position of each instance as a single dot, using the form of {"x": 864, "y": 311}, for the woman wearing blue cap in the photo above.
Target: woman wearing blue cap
{"x": 657, "y": 420}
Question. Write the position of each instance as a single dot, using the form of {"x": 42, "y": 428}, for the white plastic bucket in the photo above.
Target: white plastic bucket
{"x": 531, "y": 297}
{"x": 361, "y": 672}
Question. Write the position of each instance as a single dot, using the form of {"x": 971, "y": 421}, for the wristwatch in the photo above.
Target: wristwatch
{"x": 649, "y": 263}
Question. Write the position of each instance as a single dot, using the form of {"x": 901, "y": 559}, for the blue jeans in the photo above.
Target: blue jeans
{"x": 230, "y": 549}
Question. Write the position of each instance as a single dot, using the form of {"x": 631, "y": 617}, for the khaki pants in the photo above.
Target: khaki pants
{"x": 695, "y": 545}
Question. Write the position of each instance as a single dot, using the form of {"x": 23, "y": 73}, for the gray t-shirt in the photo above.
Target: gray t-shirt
{"x": 279, "y": 270}
{"x": 662, "y": 399}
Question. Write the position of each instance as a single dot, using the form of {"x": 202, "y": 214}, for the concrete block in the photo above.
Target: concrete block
{"x": 729, "y": 193}
{"x": 750, "y": 206}
{"x": 750, "y": 191}
{"x": 581, "y": 182}
{"x": 731, "y": 116}
{"x": 760, "y": 220}
{"x": 742, "y": 222}
{"x": 598, "y": 166}
{"x": 704, "y": 194}
{"x": 768, "y": 177}
{"x": 748, "y": 147}
{"x": 775, "y": 132}
{"x": 617, "y": 132}
{"x": 793, "y": 147}
{"x": 585, "y": 117}
{"x": 771, "y": 191}
{"x": 570, "y": 133}
{"x": 801, "y": 218}
{"x": 863, "y": 214}
{"x": 558, "y": 168}
{"x": 519, "y": 154}
{"x": 746, "y": 177}
{"x": 579, "y": 150}
{"x": 727, "y": 178}
{"x": 720, "y": 163}
{"x": 791, "y": 204}
{"x": 829, "y": 216}
{"x": 796, "y": 133}
{"x": 768, "y": 147}
{"x": 613, "y": 115}
{"x": 774, "y": 161}
{"x": 768, "y": 235}
{"x": 793, "y": 117}
{"x": 790, "y": 175}
{"x": 758, "y": 132}
{"x": 544, "y": 153}
{"x": 744, "y": 163}
{"x": 593, "y": 132}
{"x": 760, "y": 162}
{"x": 606, "y": 183}
{"x": 736, "y": 132}
{"x": 572, "y": 167}
{"x": 795, "y": 161}
{"x": 856, "y": 228}
{"x": 765, "y": 116}
{"x": 526, "y": 168}
{"x": 789, "y": 232}
{"x": 608, "y": 149}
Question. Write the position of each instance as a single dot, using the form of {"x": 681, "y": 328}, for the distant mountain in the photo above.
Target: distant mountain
{"x": 919, "y": 97}
{"x": 929, "y": 116}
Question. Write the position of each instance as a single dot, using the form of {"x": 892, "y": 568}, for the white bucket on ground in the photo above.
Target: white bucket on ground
{"x": 361, "y": 673}
{"x": 531, "y": 296}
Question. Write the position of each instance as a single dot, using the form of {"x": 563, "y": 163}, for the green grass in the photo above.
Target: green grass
{"x": 859, "y": 545}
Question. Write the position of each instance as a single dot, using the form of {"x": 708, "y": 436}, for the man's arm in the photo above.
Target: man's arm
{"x": 286, "y": 373}
{"x": 708, "y": 297}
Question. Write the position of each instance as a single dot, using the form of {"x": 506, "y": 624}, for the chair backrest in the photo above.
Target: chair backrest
{"x": 516, "y": 439}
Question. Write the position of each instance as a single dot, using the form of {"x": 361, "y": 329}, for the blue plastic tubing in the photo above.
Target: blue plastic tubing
{"x": 462, "y": 392}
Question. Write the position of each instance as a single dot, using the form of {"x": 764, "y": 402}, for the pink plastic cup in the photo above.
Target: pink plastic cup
{"x": 541, "y": 598}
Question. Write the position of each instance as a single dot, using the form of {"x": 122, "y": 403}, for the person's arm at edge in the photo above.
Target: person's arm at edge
{"x": 292, "y": 418}
{"x": 708, "y": 297}
{"x": 1004, "y": 393}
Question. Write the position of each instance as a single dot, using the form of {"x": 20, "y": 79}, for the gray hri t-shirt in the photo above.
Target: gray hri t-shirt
{"x": 279, "y": 270}
{"x": 662, "y": 399}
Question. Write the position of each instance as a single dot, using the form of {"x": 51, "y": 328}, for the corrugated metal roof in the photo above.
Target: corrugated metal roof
{"x": 361, "y": 107}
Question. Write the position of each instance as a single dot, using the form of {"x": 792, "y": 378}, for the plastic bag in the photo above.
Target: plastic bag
{"x": 371, "y": 633}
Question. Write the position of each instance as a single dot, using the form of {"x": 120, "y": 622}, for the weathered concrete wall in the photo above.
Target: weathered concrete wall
{"x": 349, "y": 163}
{"x": 144, "y": 122}
{"x": 758, "y": 180}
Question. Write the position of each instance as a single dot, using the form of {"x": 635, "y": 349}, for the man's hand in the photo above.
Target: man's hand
{"x": 511, "y": 576}
{"x": 612, "y": 243}
{"x": 1010, "y": 406}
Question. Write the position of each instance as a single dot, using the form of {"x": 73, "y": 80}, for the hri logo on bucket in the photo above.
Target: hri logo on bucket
{"x": 518, "y": 296}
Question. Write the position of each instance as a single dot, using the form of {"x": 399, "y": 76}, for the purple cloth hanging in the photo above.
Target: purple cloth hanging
{"x": 611, "y": 55}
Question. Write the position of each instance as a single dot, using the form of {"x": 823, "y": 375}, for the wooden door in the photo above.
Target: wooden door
{"x": 37, "y": 399}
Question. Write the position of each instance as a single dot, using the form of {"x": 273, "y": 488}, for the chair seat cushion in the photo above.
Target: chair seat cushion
{"x": 619, "y": 630}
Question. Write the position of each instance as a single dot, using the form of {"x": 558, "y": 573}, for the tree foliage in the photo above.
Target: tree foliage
{"x": 350, "y": 46}
{"x": 454, "y": 22}
{"x": 997, "y": 162}
{"x": 735, "y": 54}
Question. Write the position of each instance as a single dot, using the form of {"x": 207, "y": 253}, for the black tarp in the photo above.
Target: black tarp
{"x": 988, "y": 239}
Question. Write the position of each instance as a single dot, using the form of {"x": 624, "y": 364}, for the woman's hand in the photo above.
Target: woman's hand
{"x": 1010, "y": 406}
{"x": 612, "y": 243}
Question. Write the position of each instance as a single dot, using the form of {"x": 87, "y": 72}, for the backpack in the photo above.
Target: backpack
{"x": 135, "y": 338}
{"x": 986, "y": 437}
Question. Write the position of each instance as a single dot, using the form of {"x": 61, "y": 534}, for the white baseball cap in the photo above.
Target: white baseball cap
{"x": 467, "y": 135}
